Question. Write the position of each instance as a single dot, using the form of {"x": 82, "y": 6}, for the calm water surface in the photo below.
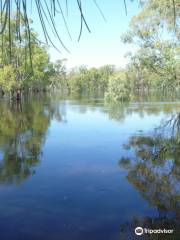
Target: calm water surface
{"x": 86, "y": 170}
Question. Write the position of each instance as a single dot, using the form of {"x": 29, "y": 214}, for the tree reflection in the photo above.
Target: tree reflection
{"x": 119, "y": 111}
{"x": 23, "y": 129}
{"x": 153, "y": 168}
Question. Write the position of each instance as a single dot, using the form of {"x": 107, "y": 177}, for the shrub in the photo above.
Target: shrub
{"x": 118, "y": 87}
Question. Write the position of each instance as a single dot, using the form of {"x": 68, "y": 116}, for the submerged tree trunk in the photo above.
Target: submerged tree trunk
{"x": 18, "y": 95}
{"x": 2, "y": 92}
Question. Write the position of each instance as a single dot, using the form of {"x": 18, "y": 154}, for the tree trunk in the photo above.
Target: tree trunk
{"x": 18, "y": 95}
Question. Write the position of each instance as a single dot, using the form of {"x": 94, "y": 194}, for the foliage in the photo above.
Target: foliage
{"x": 8, "y": 78}
{"x": 19, "y": 72}
{"x": 118, "y": 87}
{"x": 154, "y": 66}
{"x": 46, "y": 12}
{"x": 41, "y": 68}
{"x": 58, "y": 73}
{"x": 89, "y": 80}
{"x": 156, "y": 63}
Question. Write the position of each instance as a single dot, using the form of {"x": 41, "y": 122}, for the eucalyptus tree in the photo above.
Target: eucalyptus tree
{"x": 118, "y": 87}
{"x": 155, "y": 32}
{"x": 155, "y": 65}
{"x": 154, "y": 12}
{"x": 17, "y": 71}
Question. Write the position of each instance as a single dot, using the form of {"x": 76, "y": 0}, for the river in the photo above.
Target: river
{"x": 85, "y": 169}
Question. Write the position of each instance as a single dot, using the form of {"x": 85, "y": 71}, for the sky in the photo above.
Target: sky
{"x": 103, "y": 45}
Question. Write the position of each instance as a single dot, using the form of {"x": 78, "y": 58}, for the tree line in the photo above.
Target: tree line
{"x": 155, "y": 66}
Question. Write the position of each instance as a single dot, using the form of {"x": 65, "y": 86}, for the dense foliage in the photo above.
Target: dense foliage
{"x": 118, "y": 87}
{"x": 155, "y": 65}
{"x": 89, "y": 80}
{"x": 19, "y": 72}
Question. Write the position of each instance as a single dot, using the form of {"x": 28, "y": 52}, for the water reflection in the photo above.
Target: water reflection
{"x": 23, "y": 129}
{"x": 119, "y": 111}
{"x": 79, "y": 192}
{"x": 153, "y": 168}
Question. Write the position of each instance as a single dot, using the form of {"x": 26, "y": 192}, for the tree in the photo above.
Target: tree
{"x": 118, "y": 87}
{"x": 58, "y": 74}
{"x": 46, "y": 12}
{"x": 19, "y": 72}
{"x": 156, "y": 61}
{"x": 90, "y": 80}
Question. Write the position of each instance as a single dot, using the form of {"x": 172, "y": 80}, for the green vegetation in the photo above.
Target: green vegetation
{"x": 48, "y": 10}
{"x": 119, "y": 87}
{"x": 19, "y": 72}
{"x": 28, "y": 68}
{"x": 89, "y": 80}
{"x": 155, "y": 66}
{"x": 156, "y": 63}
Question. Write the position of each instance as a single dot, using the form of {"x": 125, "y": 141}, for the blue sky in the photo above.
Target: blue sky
{"x": 101, "y": 46}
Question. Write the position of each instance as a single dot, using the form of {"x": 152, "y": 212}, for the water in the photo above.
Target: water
{"x": 85, "y": 169}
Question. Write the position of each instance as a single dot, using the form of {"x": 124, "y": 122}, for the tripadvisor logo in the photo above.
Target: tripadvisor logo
{"x": 139, "y": 231}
